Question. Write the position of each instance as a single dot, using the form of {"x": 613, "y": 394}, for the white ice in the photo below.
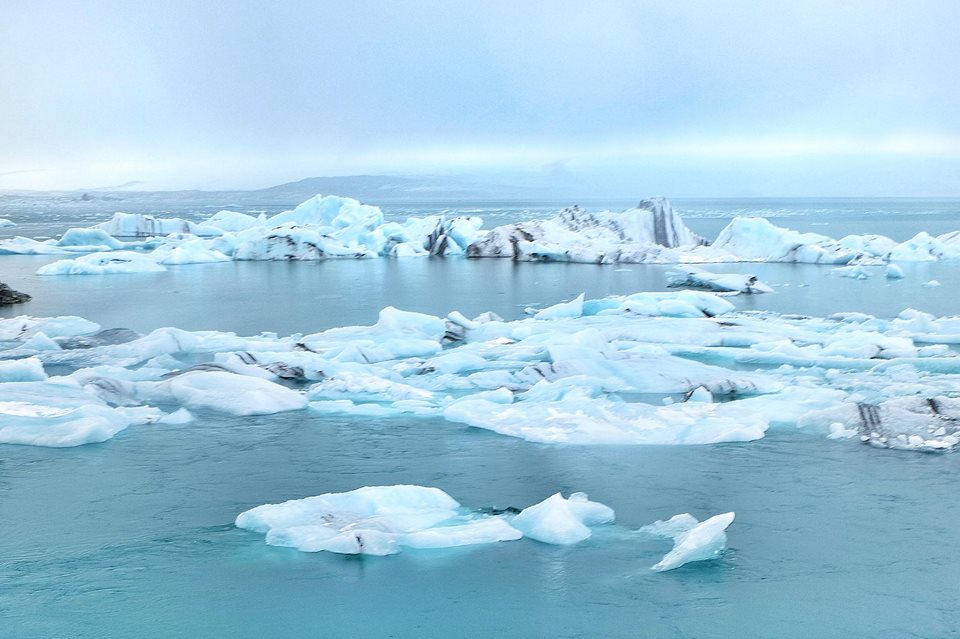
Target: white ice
{"x": 561, "y": 521}
{"x": 375, "y": 520}
{"x": 103, "y": 264}
{"x": 330, "y": 227}
{"x": 692, "y": 276}
{"x": 649, "y": 368}
{"x": 692, "y": 540}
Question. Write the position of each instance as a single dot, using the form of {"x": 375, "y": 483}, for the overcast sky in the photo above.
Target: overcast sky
{"x": 681, "y": 98}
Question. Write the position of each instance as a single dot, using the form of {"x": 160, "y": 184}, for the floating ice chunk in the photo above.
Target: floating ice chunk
{"x": 39, "y": 341}
{"x": 756, "y": 238}
{"x": 27, "y": 246}
{"x": 102, "y": 264}
{"x": 347, "y": 384}
{"x": 233, "y": 222}
{"x": 47, "y": 414}
{"x": 5, "y": 222}
{"x": 643, "y": 234}
{"x": 692, "y": 540}
{"x": 692, "y": 276}
{"x": 579, "y": 419}
{"x": 177, "y": 417}
{"x": 923, "y": 248}
{"x": 854, "y": 271}
{"x": 187, "y": 252}
{"x": 331, "y": 210}
{"x": 224, "y": 392}
{"x": 894, "y": 272}
{"x": 700, "y": 394}
{"x": 556, "y": 520}
{"x": 29, "y": 369}
{"x": 374, "y": 520}
{"x": 573, "y": 308}
{"x": 139, "y": 225}
{"x": 24, "y": 326}
{"x": 91, "y": 239}
{"x": 931, "y": 284}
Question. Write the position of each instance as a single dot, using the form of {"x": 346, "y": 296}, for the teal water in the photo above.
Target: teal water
{"x": 135, "y": 538}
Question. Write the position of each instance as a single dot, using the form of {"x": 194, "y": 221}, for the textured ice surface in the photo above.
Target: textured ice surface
{"x": 692, "y": 540}
{"x": 382, "y": 520}
{"x": 327, "y": 227}
{"x": 556, "y": 520}
{"x": 41, "y": 413}
{"x": 649, "y": 368}
{"x": 375, "y": 520}
{"x": 694, "y": 277}
{"x": 102, "y": 264}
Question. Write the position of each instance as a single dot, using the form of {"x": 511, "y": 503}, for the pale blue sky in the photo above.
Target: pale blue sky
{"x": 683, "y": 98}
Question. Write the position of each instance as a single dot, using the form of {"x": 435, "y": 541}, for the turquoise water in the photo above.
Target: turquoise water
{"x": 135, "y": 538}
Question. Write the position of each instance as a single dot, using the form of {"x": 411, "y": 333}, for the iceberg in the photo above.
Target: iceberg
{"x": 42, "y": 413}
{"x": 692, "y": 540}
{"x": 853, "y": 271}
{"x": 5, "y": 222}
{"x": 755, "y": 238}
{"x": 561, "y": 521}
{"x": 375, "y": 520}
{"x": 103, "y": 264}
{"x": 575, "y": 235}
{"x": 333, "y": 227}
{"x": 694, "y": 277}
{"x": 137, "y": 225}
{"x": 676, "y": 368}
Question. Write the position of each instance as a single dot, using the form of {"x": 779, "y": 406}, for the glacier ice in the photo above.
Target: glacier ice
{"x": 102, "y": 264}
{"x": 43, "y": 413}
{"x": 330, "y": 227}
{"x": 648, "y": 368}
{"x": 692, "y": 540}
{"x": 560, "y": 521}
{"x": 383, "y": 520}
{"x": 695, "y": 277}
{"x": 375, "y": 520}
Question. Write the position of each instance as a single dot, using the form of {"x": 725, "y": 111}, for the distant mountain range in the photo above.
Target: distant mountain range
{"x": 368, "y": 188}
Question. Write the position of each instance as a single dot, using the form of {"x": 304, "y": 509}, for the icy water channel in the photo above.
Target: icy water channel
{"x": 135, "y": 538}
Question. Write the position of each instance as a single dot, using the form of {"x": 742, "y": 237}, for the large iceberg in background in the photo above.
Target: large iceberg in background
{"x": 329, "y": 226}
{"x": 575, "y": 235}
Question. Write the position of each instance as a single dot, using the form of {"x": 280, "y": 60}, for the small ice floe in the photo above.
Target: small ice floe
{"x": 931, "y": 284}
{"x": 894, "y": 272}
{"x": 695, "y": 277}
{"x": 556, "y": 520}
{"x": 692, "y": 540}
{"x": 103, "y": 264}
{"x": 854, "y": 271}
